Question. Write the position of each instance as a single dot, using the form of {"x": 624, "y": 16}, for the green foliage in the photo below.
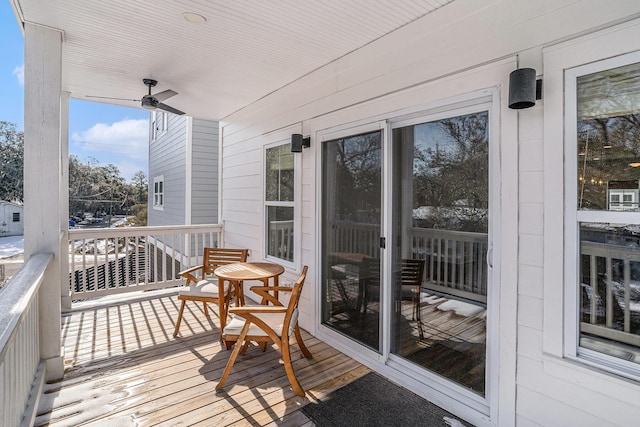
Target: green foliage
{"x": 11, "y": 162}
{"x": 140, "y": 214}
{"x": 92, "y": 187}
{"x": 100, "y": 188}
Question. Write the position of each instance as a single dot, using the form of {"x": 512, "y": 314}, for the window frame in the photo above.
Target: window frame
{"x": 574, "y": 216}
{"x": 159, "y": 124}
{"x": 274, "y": 141}
{"x": 16, "y": 217}
{"x": 158, "y": 196}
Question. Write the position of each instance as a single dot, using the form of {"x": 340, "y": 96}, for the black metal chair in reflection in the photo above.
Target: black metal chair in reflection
{"x": 410, "y": 279}
{"x": 411, "y": 275}
{"x": 348, "y": 274}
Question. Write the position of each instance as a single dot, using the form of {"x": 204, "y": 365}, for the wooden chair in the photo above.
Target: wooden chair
{"x": 205, "y": 287}
{"x": 411, "y": 275}
{"x": 264, "y": 324}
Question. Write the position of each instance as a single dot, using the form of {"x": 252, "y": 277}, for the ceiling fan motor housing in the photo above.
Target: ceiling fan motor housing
{"x": 149, "y": 102}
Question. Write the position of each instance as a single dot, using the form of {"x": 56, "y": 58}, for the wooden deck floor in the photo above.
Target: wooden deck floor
{"x": 123, "y": 367}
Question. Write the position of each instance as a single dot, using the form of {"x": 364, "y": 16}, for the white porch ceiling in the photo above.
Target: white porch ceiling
{"x": 245, "y": 50}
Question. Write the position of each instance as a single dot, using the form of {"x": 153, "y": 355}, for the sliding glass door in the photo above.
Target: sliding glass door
{"x": 410, "y": 278}
{"x": 441, "y": 223}
{"x": 351, "y": 237}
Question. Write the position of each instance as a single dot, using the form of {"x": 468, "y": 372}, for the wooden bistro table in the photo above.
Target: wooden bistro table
{"x": 237, "y": 273}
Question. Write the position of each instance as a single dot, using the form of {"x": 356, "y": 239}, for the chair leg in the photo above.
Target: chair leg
{"x": 175, "y": 332}
{"x": 288, "y": 367}
{"x": 303, "y": 348}
{"x": 206, "y": 310}
{"x": 222, "y": 305}
{"x": 232, "y": 358}
{"x": 418, "y": 317}
{"x": 240, "y": 296}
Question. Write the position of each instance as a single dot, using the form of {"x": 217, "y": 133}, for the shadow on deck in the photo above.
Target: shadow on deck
{"x": 123, "y": 367}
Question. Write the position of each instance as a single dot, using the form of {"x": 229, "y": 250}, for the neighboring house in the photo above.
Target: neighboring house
{"x": 183, "y": 179}
{"x": 12, "y": 217}
{"x": 528, "y": 309}
{"x": 183, "y": 170}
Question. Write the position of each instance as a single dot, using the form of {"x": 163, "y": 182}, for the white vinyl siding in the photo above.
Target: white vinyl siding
{"x": 204, "y": 172}
{"x": 451, "y": 53}
{"x": 187, "y": 156}
{"x": 168, "y": 157}
{"x": 568, "y": 370}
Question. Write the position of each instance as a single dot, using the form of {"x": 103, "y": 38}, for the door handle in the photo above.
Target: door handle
{"x": 490, "y": 257}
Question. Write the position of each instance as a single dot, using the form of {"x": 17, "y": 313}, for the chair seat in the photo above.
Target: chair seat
{"x": 206, "y": 288}
{"x": 273, "y": 320}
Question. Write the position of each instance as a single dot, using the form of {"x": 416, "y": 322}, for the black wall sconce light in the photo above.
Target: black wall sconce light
{"x": 524, "y": 89}
{"x": 298, "y": 142}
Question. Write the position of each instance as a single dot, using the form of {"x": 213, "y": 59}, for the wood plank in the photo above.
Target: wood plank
{"x": 123, "y": 364}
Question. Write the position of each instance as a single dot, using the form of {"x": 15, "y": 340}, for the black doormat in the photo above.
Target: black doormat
{"x": 375, "y": 401}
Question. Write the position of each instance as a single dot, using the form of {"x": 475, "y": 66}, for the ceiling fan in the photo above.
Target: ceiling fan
{"x": 149, "y": 101}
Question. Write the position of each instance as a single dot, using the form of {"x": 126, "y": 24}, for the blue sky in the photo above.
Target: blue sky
{"x": 108, "y": 133}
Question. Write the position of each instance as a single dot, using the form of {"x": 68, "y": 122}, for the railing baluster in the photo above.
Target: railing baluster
{"x": 118, "y": 273}
{"x": 594, "y": 288}
{"x": 85, "y": 279}
{"x": 609, "y": 293}
{"x": 136, "y": 249}
{"x": 627, "y": 296}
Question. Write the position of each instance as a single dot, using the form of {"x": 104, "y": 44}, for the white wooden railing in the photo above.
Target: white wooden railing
{"x": 105, "y": 261}
{"x": 281, "y": 239}
{"x": 21, "y": 372}
{"x": 357, "y": 238}
{"x": 455, "y": 260}
{"x": 607, "y": 297}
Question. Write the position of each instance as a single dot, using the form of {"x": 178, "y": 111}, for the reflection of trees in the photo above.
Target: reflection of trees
{"x": 280, "y": 177}
{"x": 607, "y": 146}
{"x": 358, "y": 178}
{"x": 452, "y": 177}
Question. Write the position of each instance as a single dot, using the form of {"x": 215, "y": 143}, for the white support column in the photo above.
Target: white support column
{"x": 65, "y": 290}
{"x": 43, "y": 179}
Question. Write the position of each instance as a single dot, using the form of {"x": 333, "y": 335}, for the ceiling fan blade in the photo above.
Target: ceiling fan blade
{"x": 165, "y": 94}
{"x": 110, "y": 97}
{"x": 169, "y": 109}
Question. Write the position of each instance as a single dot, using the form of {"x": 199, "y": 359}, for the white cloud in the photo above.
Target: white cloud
{"x": 127, "y": 138}
{"x": 19, "y": 73}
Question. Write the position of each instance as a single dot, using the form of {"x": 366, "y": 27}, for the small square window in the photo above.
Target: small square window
{"x": 16, "y": 217}
{"x": 158, "y": 192}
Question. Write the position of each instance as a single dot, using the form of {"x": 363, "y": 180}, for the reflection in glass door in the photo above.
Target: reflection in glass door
{"x": 351, "y": 230}
{"x": 440, "y": 220}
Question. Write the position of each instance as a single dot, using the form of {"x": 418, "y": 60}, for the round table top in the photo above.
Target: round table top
{"x": 248, "y": 271}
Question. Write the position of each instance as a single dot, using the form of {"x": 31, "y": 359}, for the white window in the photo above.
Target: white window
{"x": 159, "y": 124}
{"x": 158, "y": 192}
{"x": 280, "y": 212}
{"x": 602, "y": 178}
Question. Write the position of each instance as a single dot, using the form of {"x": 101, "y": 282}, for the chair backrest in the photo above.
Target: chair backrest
{"x": 412, "y": 271}
{"x": 215, "y": 257}
{"x": 291, "y": 317}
